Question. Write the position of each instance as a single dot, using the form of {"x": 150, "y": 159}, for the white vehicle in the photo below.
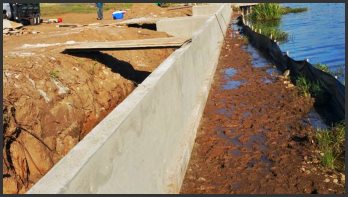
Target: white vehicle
{"x": 7, "y": 10}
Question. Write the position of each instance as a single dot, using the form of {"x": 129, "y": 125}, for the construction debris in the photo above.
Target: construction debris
{"x": 13, "y": 28}
{"x": 7, "y": 24}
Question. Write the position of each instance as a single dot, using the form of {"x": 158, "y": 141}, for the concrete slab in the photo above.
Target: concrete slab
{"x": 6, "y": 24}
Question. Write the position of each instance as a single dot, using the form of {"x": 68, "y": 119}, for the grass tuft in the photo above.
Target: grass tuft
{"x": 54, "y": 74}
{"x": 245, "y": 40}
{"x": 266, "y": 11}
{"x": 304, "y": 85}
{"x": 287, "y": 10}
{"x": 331, "y": 144}
{"x": 322, "y": 67}
{"x": 311, "y": 89}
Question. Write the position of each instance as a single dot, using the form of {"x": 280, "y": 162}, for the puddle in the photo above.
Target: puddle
{"x": 245, "y": 115}
{"x": 266, "y": 80}
{"x": 252, "y": 163}
{"x": 230, "y": 72}
{"x": 220, "y": 131}
{"x": 232, "y": 85}
{"x": 235, "y": 140}
{"x": 262, "y": 147}
{"x": 235, "y": 152}
{"x": 273, "y": 70}
{"x": 265, "y": 159}
{"x": 314, "y": 120}
{"x": 258, "y": 59}
{"x": 248, "y": 145}
{"x": 221, "y": 111}
{"x": 226, "y": 112}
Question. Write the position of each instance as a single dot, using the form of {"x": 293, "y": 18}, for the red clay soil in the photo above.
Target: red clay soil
{"x": 251, "y": 139}
{"x": 51, "y": 100}
{"x": 151, "y": 10}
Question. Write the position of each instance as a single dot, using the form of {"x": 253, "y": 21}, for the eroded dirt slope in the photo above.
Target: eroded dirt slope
{"x": 51, "y": 100}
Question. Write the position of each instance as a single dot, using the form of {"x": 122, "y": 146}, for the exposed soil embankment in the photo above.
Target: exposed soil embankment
{"x": 255, "y": 136}
{"x": 151, "y": 10}
{"x": 51, "y": 100}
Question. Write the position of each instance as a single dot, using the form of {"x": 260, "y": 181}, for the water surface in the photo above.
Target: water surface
{"x": 317, "y": 34}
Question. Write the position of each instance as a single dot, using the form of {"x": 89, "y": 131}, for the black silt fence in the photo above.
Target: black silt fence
{"x": 334, "y": 90}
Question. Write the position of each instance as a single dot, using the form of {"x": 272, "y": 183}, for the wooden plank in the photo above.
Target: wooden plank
{"x": 170, "y": 42}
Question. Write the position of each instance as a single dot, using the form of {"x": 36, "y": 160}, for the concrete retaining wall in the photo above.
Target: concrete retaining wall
{"x": 205, "y": 9}
{"x": 181, "y": 26}
{"x": 144, "y": 144}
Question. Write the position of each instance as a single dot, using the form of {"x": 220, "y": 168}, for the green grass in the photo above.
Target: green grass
{"x": 310, "y": 89}
{"x": 302, "y": 83}
{"x": 265, "y": 16}
{"x": 322, "y": 67}
{"x": 54, "y": 74}
{"x": 287, "y": 10}
{"x": 272, "y": 11}
{"x": 59, "y": 9}
{"x": 81, "y": 63}
{"x": 266, "y": 30}
{"x": 245, "y": 40}
{"x": 331, "y": 143}
{"x": 266, "y": 11}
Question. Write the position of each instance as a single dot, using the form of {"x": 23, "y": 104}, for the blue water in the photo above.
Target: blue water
{"x": 317, "y": 34}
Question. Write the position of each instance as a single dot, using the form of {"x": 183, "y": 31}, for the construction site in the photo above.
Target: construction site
{"x": 166, "y": 99}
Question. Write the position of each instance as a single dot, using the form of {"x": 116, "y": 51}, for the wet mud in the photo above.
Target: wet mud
{"x": 256, "y": 133}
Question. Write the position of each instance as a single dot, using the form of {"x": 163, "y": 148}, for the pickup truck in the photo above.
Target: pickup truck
{"x": 20, "y": 12}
